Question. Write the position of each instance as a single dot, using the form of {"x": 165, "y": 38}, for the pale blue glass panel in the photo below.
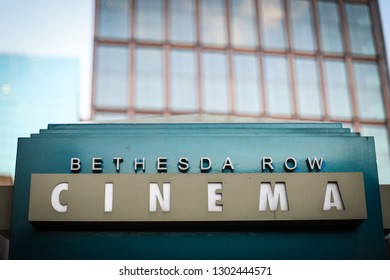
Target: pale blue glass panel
{"x": 277, "y": 86}
{"x": 183, "y": 81}
{"x": 339, "y": 101}
{"x": 34, "y": 91}
{"x": 215, "y": 89}
{"x": 113, "y": 19}
{"x": 360, "y": 29}
{"x": 330, "y": 27}
{"x": 149, "y": 79}
{"x": 112, "y": 72}
{"x": 368, "y": 88}
{"x": 247, "y": 84}
{"x": 273, "y": 24}
{"x": 109, "y": 116}
{"x": 243, "y": 23}
{"x": 213, "y": 21}
{"x": 381, "y": 148}
{"x": 302, "y": 25}
{"x": 182, "y": 20}
{"x": 149, "y": 20}
{"x": 308, "y": 88}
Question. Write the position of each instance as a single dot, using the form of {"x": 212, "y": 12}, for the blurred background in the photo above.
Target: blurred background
{"x": 277, "y": 60}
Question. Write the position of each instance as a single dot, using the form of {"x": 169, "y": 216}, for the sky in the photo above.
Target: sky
{"x": 59, "y": 28}
{"x": 64, "y": 28}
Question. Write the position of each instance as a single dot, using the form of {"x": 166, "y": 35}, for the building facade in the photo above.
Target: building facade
{"x": 302, "y": 60}
{"x": 34, "y": 90}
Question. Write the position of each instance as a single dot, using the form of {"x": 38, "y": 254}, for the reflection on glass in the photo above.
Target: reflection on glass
{"x": 149, "y": 79}
{"x": 213, "y": 22}
{"x": 277, "y": 85}
{"x": 273, "y": 24}
{"x": 149, "y": 20}
{"x": 247, "y": 89}
{"x": 113, "y": 21}
{"x": 368, "y": 88}
{"x": 215, "y": 91}
{"x": 360, "y": 29}
{"x": 339, "y": 104}
{"x": 308, "y": 92}
{"x": 331, "y": 38}
{"x": 182, "y": 20}
{"x": 183, "y": 81}
{"x": 302, "y": 25}
{"x": 243, "y": 23}
{"x": 112, "y": 77}
{"x": 382, "y": 150}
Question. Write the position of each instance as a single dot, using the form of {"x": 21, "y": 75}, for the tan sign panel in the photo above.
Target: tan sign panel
{"x": 196, "y": 197}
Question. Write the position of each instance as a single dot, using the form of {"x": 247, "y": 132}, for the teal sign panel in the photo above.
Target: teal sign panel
{"x": 190, "y": 149}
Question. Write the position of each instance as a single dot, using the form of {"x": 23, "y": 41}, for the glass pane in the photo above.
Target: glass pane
{"x": 182, "y": 20}
{"x": 215, "y": 90}
{"x": 273, "y": 24}
{"x": 105, "y": 116}
{"x": 360, "y": 29}
{"x": 308, "y": 91}
{"x": 213, "y": 22}
{"x": 150, "y": 20}
{"x": 113, "y": 21}
{"x": 302, "y": 25}
{"x": 112, "y": 72}
{"x": 368, "y": 87}
{"x": 149, "y": 79}
{"x": 339, "y": 103}
{"x": 381, "y": 149}
{"x": 277, "y": 85}
{"x": 183, "y": 81}
{"x": 246, "y": 77}
{"x": 329, "y": 17}
{"x": 243, "y": 18}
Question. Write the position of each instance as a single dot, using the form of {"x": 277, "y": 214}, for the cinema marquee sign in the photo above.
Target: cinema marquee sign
{"x": 206, "y": 196}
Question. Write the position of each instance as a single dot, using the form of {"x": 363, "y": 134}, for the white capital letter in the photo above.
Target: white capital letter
{"x": 267, "y": 161}
{"x": 267, "y": 197}
{"x": 228, "y": 164}
{"x": 75, "y": 164}
{"x": 214, "y": 194}
{"x": 108, "y": 197}
{"x": 164, "y": 200}
{"x": 333, "y": 197}
{"x": 55, "y": 198}
{"x": 314, "y": 163}
{"x": 205, "y": 164}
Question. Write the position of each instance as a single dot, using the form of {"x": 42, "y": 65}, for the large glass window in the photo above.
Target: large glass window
{"x": 339, "y": 102}
{"x": 302, "y": 25}
{"x": 183, "y": 81}
{"x": 213, "y": 21}
{"x": 150, "y": 21}
{"x": 272, "y": 24}
{"x": 149, "y": 79}
{"x": 215, "y": 90}
{"x": 308, "y": 88}
{"x": 112, "y": 72}
{"x": 247, "y": 89}
{"x": 368, "y": 88}
{"x": 277, "y": 85}
{"x": 360, "y": 29}
{"x": 330, "y": 27}
{"x": 382, "y": 150}
{"x": 113, "y": 20}
{"x": 182, "y": 20}
{"x": 243, "y": 23}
